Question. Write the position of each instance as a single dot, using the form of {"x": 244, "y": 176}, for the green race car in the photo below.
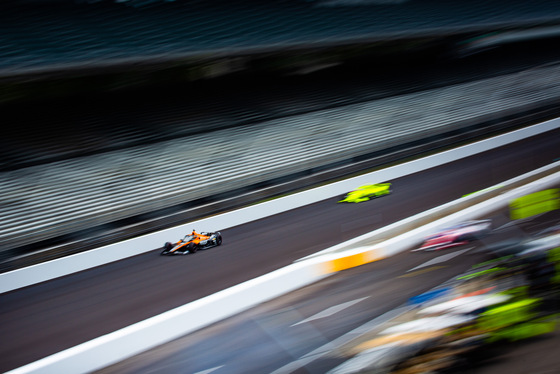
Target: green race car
{"x": 367, "y": 192}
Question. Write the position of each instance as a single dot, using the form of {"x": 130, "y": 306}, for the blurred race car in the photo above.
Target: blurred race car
{"x": 193, "y": 242}
{"x": 460, "y": 234}
{"x": 367, "y": 192}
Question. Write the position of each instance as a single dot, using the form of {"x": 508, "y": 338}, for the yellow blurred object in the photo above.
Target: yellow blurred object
{"x": 507, "y": 315}
{"x": 554, "y": 257}
{"x": 535, "y": 203}
{"x": 524, "y": 330}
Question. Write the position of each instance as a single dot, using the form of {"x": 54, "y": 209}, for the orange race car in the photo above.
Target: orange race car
{"x": 193, "y": 242}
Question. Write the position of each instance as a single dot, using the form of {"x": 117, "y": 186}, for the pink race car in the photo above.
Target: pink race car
{"x": 460, "y": 234}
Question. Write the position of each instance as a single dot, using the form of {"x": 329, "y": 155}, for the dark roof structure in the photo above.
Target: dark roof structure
{"x": 50, "y": 35}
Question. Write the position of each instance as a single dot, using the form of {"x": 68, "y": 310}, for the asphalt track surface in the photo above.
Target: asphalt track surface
{"x": 40, "y": 320}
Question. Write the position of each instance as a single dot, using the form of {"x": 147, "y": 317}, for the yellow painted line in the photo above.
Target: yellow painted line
{"x": 419, "y": 272}
{"x": 347, "y": 262}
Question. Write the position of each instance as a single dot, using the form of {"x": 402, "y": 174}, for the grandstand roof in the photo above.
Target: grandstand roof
{"x": 41, "y": 36}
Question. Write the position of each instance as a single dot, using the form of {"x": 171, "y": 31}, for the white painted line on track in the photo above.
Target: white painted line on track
{"x": 208, "y": 371}
{"x": 346, "y": 338}
{"x": 440, "y": 259}
{"x": 330, "y": 311}
{"x": 173, "y": 365}
{"x": 505, "y": 226}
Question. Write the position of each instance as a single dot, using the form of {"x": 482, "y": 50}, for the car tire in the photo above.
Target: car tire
{"x": 166, "y": 248}
{"x": 192, "y": 248}
{"x": 218, "y": 239}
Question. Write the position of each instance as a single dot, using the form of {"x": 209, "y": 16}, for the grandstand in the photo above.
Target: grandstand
{"x": 108, "y": 83}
